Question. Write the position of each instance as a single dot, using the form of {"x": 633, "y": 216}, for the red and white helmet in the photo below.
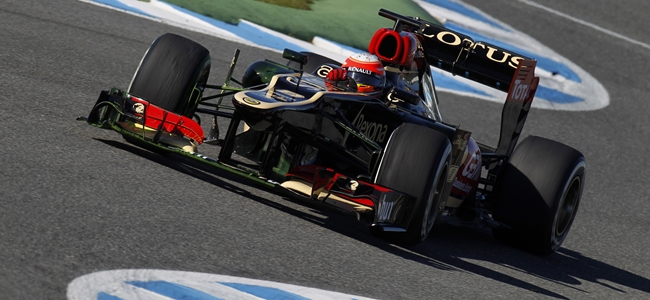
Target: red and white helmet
{"x": 367, "y": 71}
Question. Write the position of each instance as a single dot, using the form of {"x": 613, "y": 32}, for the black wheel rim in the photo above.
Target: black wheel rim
{"x": 567, "y": 209}
{"x": 431, "y": 211}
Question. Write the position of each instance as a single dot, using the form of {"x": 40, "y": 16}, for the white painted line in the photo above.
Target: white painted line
{"x": 585, "y": 23}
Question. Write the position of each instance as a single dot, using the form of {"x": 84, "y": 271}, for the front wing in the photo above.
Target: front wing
{"x": 147, "y": 125}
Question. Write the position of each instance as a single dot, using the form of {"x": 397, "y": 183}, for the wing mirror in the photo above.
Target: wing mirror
{"x": 296, "y": 56}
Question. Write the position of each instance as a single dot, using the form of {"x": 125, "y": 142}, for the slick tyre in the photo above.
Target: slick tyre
{"x": 416, "y": 161}
{"x": 172, "y": 74}
{"x": 538, "y": 195}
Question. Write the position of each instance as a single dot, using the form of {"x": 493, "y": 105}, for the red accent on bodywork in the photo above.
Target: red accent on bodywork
{"x": 375, "y": 40}
{"x": 367, "y": 201}
{"x": 307, "y": 172}
{"x": 393, "y": 47}
{"x": 524, "y": 83}
{"x": 469, "y": 172}
{"x": 156, "y": 117}
{"x": 327, "y": 178}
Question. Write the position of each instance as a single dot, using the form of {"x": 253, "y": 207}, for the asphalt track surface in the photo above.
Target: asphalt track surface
{"x": 76, "y": 199}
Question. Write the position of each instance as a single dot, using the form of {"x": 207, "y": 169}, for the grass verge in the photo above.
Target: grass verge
{"x": 350, "y": 22}
{"x": 299, "y": 4}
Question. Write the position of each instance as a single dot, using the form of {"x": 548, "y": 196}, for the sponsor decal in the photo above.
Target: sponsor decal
{"x": 472, "y": 168}
{"x": 461, "y": 140}
{"x": 138, "y": 108}
{"x": 323, "y": 71}
{"x": 525, "y": 85}
{"x": 520, "y": 91}
{"x": 251, "y": 101}
{"x": 164, "y": 284}
{"x": 385, "y": 209}
{"x": 493, "y": 54}
{"x": 452, "y": 173}
{"x": 563, "y": 85}
{"x": 465, "y": 188}
{"x": 359, "y": 70}
{"x": 459, "y": 147}
{"x": 354, "y": 185}
{"x": 374, "y": 131}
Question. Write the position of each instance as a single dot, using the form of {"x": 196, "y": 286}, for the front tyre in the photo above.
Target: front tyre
{"x": 538, "y": 195}
{"x": 172, "y": 74}
{"x": 416, "y": 161}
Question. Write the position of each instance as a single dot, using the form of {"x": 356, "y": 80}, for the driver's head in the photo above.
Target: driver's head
{"x": 367, "y": 71}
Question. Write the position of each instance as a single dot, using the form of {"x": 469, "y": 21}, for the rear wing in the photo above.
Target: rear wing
{"x": 459, "y": 54}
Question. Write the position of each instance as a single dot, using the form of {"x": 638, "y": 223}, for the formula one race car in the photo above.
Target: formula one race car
{"x": 385, "y": 157}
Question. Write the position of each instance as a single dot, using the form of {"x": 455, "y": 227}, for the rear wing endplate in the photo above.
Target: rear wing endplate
{"x": 515, "y": 110}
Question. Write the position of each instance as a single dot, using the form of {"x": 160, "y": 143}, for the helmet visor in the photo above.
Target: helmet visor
{"x": 367, "y": 83}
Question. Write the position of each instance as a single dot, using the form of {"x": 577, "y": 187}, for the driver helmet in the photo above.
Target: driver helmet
{"x": 367, "y": 71}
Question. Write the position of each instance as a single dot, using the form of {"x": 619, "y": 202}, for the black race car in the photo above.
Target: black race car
{"x": 385, "y": 157}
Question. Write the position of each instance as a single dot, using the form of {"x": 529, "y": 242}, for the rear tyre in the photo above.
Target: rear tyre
{"x": 538, "y": 195}
{"x": 172, "y": 74}
{"x": 416, "y": 161}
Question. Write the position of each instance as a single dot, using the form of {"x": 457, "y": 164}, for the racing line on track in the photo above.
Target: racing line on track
{"x": 585, "y": 23}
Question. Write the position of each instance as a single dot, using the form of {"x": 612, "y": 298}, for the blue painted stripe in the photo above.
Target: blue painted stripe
{"x": 264, "y": 292}
{"x": 543, "y": 62}
{"x": 464, "y": 10}
{"x": 346, "y": 47}
{"x": 216, "y": 23}
{"x": 548, "y": 94}
{"x": 446, "y": 82}
{"x": 263, "y": 38}
{"x": 556, "y": 96}
{"x": 120, "y": 5}
{"x": 105, "y": 296}
{"x": 173, "y": 290}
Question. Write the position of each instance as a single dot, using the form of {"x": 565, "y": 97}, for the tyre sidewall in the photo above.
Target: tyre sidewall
{"x": 532, "y": 188}
{"x": 415, "y": 159}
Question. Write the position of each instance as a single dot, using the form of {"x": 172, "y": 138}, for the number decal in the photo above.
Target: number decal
{"x": 323, "y": 70}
